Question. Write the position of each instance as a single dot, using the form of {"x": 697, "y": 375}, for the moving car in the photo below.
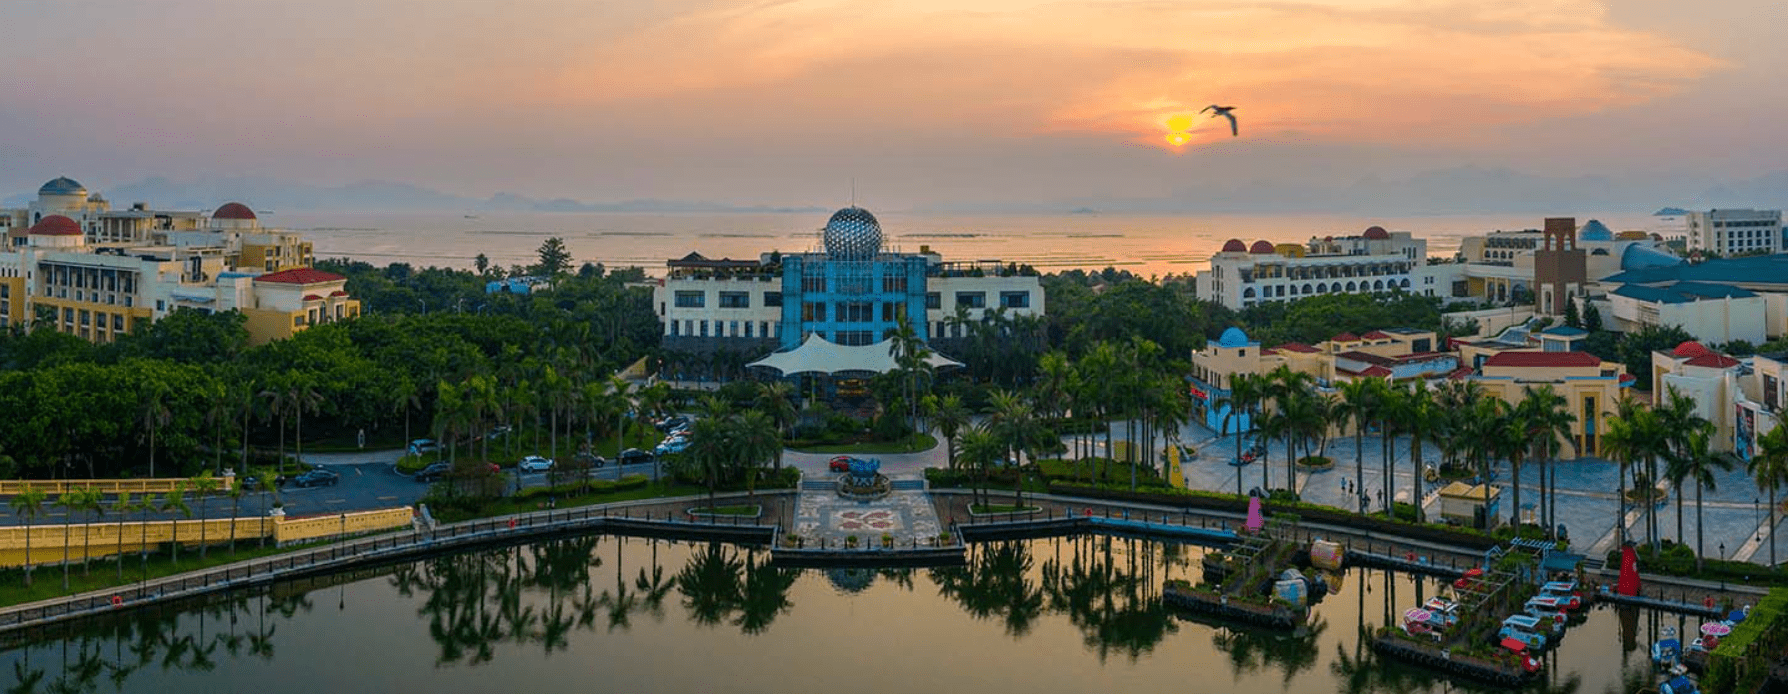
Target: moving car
{"x": 534, "y": 463}
{"x": 317, "y": 478}
{"x": 434, "y": 471}
{"x": 634, "y": 456}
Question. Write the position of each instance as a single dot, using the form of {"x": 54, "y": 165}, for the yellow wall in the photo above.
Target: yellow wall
{"x": 159, "y": 485}
{"x": 267, "y": 326}
{"x": 15, "y": 299}
{"x": 104, "y": 539}
{"x": 96, "y": 311}
{"x": 308, "y": 528}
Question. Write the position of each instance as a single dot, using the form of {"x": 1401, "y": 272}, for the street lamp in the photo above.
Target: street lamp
{"x": 1722, "y": 551}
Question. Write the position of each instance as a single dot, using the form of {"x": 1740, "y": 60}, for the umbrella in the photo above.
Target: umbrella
{"x": 1716, "y": 629}
{"x": 1514, "y": 644}
{"x": 1417, "y": 615}
{"x": 1736, "y": 617}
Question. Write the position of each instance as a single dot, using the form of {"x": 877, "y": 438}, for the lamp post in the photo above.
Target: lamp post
{"x": 1722, "y": 551}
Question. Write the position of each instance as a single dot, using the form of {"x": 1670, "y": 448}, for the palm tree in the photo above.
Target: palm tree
{"x": 92, "y": 502}
{"x": 980, "y": 448}
{"x": 1633, "y": 434}
{"x": 147, "y": 505}
{"x": 1769, "y": 466}
{"x": 1698, "y": 462}
{"x": 1358, "y": 399}
{"x": 175, "y": 502}
{"x": 268, "y": 478}
{"x": 949, "y": 415}
{"x": 122, "y": 505}
{"x": 203, "y": 487}
{"x": 1419, "y": 419}
{"x": 235, "y": 493}
{"x": 1246, "y": 392}
{"x": 68, "y": 501}
{"x": 405, "y": 396}
{"x": 776, "y": 399}
{"x": 1016, "y": 424}
{"x": 301, "y": 397}
{"x": 28, "y": 504}
{"x": 1513, "y": 444}
{"x": 1548, "y": 418}
{"x": 155, "y": 415}
{"x": 1679, "y": 421}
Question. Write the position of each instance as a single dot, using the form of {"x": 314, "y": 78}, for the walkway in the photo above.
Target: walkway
{"x": 824, "y": 519}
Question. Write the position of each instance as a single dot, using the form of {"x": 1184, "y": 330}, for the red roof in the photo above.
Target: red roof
{"x": 1546, "y": 359}
{"x": 1376, "y": 233}
{"x": 1268, "y": 352}
{"x": 1261, "y": 247}
{"x": 234, "y": 210}
{"x": 1627, "y": 378}
{"x": 1713, "y": 361}
{"x": 1376, "y": 372}
{"x": 1345, "y": 337}
{"x": 312, "y": 297}
{"x": 302, "y": 275}
{"x": 339, "y": 292}
{"x": 1376, "y": 335}
{"x": 1235, "y": 246}
{"x": 1460, "y": 374}
{"x": 1366, "y": 357}
{"x": 1690, "y": 348}
{"x": 56, "y": 225}
{"x": 1298, "y": 347}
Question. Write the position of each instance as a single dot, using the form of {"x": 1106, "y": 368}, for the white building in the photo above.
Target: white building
{"x": 1735, "y": 232}
{"x": 1373, "y": 261}
{"x": 98, "y": 273}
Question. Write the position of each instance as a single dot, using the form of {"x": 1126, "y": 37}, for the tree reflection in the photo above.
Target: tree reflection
{"x": 726, "y": 584}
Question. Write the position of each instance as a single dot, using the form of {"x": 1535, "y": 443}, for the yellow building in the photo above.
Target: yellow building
{"x": 289, "y": 301}
{"x": 1590, "y": 387}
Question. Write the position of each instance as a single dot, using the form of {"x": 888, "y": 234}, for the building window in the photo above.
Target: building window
{"x": 933, "y": 300}
{"x": 892, "y": 312}
{"x": 735, "y": 300}
{"x": 691, "y": 299}
{"x": 813, "y": 311}
{"x": 855, "y": 338}
{"x": 704, "y": 326}
{"x": 894, "y": 284}
{"x": 971, "y": 299}
{"x": 763, "y": 328}
{"x": 856, "y": 312}
{"x": 1023, "y": 299}
{"x": 773, "y": 299}
{"x": 675, "y": 328}
{"x": 813, "y": 284}
{"x": 748, "y": 328}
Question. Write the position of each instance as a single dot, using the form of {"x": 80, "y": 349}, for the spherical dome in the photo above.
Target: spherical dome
{"x": 1376, "y": 234}
{"x": 1595, "y": 231}
{"x": 1690, "y": 350}
{"x": 1233, "y": 337}
{"x": 62, "y": 185}
{"x": 852, "y": 234}
{"x": 55, "y": 225}
{"x": 1235, "y": 246}
{"x": 1638, "y": 256}
{"x": 1261, "y": 246}
{"x": 234, "y": 210}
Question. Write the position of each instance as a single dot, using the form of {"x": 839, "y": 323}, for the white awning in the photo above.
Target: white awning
{"x": 819, "y": 355}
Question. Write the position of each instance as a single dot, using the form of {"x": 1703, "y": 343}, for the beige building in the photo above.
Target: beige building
{"x": 90, "y": 271}
{"x": 1589, "y": 386}
{"x": 1393, "y": 354}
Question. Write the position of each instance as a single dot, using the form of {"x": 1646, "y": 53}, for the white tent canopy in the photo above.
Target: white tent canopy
{"x": 819, "y": 355}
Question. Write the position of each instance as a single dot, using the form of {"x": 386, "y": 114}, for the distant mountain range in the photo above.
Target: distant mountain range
{"x": 370, "y": 196}
{"x": 1459, "y": 190}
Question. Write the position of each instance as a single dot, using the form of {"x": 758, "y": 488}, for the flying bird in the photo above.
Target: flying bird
{"x": 1224, "y": 111}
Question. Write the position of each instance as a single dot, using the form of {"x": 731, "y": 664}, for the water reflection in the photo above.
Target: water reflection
{"x": 1072, "y": 611}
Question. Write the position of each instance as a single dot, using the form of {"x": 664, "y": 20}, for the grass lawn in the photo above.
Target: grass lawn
{"x": 1002, "y": 508}
{"x": 912, "y": 444}
{"x": 46, "y": 581}
{"x": 751, "y": 510}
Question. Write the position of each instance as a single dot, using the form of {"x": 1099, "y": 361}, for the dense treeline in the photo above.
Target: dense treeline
{"x": 182, "y": 393}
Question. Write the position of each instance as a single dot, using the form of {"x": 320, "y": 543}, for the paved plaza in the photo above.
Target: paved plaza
{"x": 823, "y": 516}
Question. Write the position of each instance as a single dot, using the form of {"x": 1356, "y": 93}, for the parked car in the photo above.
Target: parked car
{"x": 317, "y": 478}
{"x": 841, "y": 463}
{"x": 634, "y": 456}
{"x": 421, "y": 446}
{"x": 590, "y": 459}
{"x": 671, "y": 446}
{"x": 534, "y": 463}
{"x": 434, "y": 471}
{"x": 672, "y": 422}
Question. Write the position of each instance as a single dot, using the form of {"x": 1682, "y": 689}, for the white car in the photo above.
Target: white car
{"x": 535, "y": 463}
{"x": 672, "y": 446}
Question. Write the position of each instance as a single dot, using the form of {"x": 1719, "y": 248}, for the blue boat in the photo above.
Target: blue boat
{"x": 1666, "y": 652}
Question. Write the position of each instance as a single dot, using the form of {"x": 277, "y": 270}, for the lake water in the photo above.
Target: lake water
{"x": 1148, "y": 245}
{"x": 598, "y": 614}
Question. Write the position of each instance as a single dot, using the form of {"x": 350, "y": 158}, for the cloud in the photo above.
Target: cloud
{"x": 1325, "y": 70}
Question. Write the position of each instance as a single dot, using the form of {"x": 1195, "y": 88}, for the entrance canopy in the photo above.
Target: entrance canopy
{"x": 819, "y": 355}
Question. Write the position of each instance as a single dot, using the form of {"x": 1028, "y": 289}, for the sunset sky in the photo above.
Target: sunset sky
{"x": 922, "y": 101}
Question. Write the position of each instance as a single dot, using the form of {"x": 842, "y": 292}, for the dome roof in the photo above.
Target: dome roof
{"x": 55, "y": 225}
{"x": 62, "y": 185}
{"x": 1690, "y": 349}
{"x": 852, "y": 234}
{"x": 1639, "y": 257}
{"x": 1595, "y": 231}
{"x": 233, "y": 210}
{"x": 1233, "y": 337}
{"x": 1235, "y": 246}
{"x": 1376, "y": 234}
{"x": 1261, "y": 246}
